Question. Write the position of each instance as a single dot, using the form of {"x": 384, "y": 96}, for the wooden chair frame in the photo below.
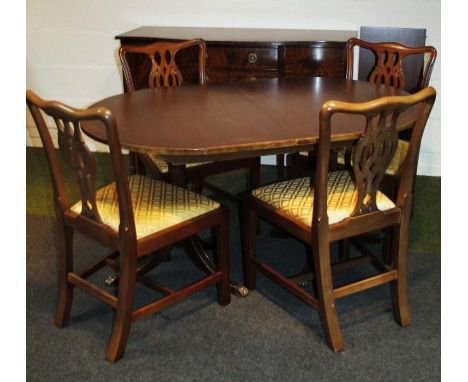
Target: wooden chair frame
{"x": 388, "y": 69}
{"x": 365, "y": 217}
{"x": 129, "y": 255}
{"x": 164, "y": 73}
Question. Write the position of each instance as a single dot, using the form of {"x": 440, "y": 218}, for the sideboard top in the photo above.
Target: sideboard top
{"x": 238, "y": 34}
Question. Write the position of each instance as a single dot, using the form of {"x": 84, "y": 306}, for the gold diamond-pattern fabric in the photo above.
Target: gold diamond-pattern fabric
{"x": 394, "y": 165}
{"x": 296, "y": 198}
{"x": 156, "y": 205}
{"x": 163, "y": 166}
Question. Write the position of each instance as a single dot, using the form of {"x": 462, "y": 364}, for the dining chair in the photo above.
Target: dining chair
{"x": 387, "y": 70}
{"x": 336, "y": 205}
{"x": 137, "y": 218}
{"x": 164, "y": 72}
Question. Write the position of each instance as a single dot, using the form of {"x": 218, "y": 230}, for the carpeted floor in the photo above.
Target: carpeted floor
{"x": 268, "y": 336}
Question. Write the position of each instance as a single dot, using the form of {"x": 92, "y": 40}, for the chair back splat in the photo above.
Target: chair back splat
{"x": 389, "y": 57}
{"x": 163, "y": 71}
{"x": 374, "y": 151}
{"x": 79, "y": 160}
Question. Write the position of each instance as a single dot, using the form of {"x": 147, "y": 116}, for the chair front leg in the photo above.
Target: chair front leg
{"x": 254, "y": 174}
{"x": 280, "y": 168}
{"x": 178, "y": 175}
{"x": 298, "y": 165}
{"x": 197, "y": 184}
{"x": 123, "y": 315}
{"x": 64, "y": 266}
{"x": 248, "y": 223}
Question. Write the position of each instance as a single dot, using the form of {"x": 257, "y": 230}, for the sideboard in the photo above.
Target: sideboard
{"x": 236, "y": 54}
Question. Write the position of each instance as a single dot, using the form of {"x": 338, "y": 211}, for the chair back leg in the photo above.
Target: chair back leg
{"x": 327, "y": 308}
{"x": 400, "y": 285}
{"x": 248, "y": 224}
{"x": 123, "y": 314}
{"x": 222, "y": 259}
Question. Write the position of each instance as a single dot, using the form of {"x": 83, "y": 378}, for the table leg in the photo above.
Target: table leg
{"x": 193, "y": 246}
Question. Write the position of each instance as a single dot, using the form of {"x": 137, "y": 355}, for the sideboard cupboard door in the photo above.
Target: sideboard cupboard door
{"x": 324, "y": 60}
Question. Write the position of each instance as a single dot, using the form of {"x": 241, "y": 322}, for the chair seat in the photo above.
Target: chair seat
{"x": 394, "y": 165}
{"x": 156, "y": 205}
{"x": 296, "y": 198}
{"x": 163, "y": 166}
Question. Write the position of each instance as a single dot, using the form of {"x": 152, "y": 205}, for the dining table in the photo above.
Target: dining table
{"x": 201, "y": 123}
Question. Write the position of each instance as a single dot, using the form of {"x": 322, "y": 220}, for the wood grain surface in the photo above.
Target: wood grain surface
{"x": 229, "y": 121}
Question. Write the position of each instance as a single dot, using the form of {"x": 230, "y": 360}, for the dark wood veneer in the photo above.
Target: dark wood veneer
{"x": 236, "y": 54}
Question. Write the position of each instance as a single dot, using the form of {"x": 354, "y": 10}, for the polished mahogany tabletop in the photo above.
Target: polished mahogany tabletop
{"x": 195, "y": 123}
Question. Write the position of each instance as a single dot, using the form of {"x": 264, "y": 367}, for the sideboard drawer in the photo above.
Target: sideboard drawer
{"x": 253, "y": 59}
{"x": 215, "y": 75}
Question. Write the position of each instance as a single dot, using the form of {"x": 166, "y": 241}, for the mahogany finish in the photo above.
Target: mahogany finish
{"x": 136, "y": 257}
{"x": 163, "y": 73}
{"x": 388, "y": 65}
{"x": 407, "y": 36}
{"x": 239, "y": 54}
{"x": 226, "y": 121}
{"x": 236, "y": 54}
{"x": 372, "y": 153}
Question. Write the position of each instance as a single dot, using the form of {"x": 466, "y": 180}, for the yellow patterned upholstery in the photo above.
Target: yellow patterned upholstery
{"x": 156, "y": 205}
{"x": 295, "y": 198}
{"x": 162, "y": 165}
{"x": 395, "y": 164}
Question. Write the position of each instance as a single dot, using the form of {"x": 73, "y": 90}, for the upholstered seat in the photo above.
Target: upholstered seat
{"x": 394, "y": 165}
{"x": 163, "y": 166}
{"x": 156, "y": 205}
{"x": 296, "y": 198}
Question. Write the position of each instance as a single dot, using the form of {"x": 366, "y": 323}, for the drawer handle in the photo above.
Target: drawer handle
{"x": 252, "y": 58}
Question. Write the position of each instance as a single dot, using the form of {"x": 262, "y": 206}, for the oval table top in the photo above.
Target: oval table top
{"x": 194, "y": 123}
